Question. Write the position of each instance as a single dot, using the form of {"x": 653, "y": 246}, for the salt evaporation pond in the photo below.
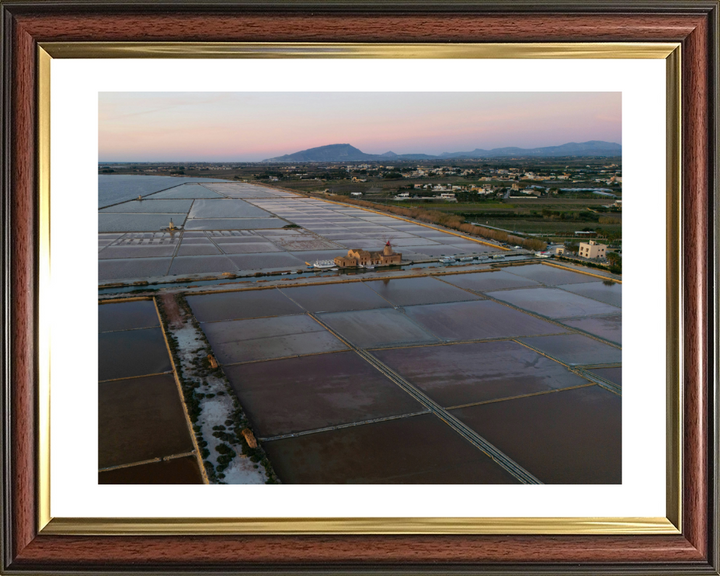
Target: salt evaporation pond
{"x": 114, "y": 188}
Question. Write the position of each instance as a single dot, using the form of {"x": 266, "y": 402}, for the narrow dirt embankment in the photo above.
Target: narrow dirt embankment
{"x": 172, "y": 311}
{"x": 219, "y": 424}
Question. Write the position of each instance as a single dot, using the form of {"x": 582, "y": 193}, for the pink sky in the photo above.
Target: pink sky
{"x": 251, "y": 126}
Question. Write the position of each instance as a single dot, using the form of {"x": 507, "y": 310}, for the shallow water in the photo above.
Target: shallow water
{"x": 376, "y": 328}
{"x": 151, "y": 206}
{"x": 549, "y": 275}
{"x": 140, "y": 419}
{"x": 225, "y": 209}
{"x": 553, "y": 302}
{"x": 576, "y": 349}
{"x": 175, "y": 471}
{"x": 607, "y": 327}
{"x": 132, "y": 268}
{"x": 269, "y": 260}
{"x": 243, "y": 304}
{"x": 416, "y": 450}
{"x": 410, "y": 291}
{"x": 113, "y": 222}
{"x": 292, "y": 395}
{"x": 248, "y": 247}
{"x": 336, "y": 297}
{"x": 267, "y": 338}
{"x": 467, "y": 373}
{"x": 186, "y": 191}
{"x": 489, "y": 281}
{"x": 198, "y": 247}
{"x": 611, "y": 374}
{"x": 186, "y": 265}
{"x": 608, "y": 291}
{"x": 132, "y": 353}
{"x": 113, "y": 188}
{"x": 233, "y": 223}
{"x": 568, "y": 437}
{"x": 141, "y": 251}
{"x": 127, "y": 316}
{"x": 478, "y": 320}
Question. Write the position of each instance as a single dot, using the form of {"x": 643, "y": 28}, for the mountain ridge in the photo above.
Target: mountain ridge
{"x": 348, "y": 153}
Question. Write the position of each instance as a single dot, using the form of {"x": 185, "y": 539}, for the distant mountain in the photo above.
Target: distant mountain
{"x": 331, "y": 153}
{"x": 591, "y": 148}
{"x": 348, "y": 153}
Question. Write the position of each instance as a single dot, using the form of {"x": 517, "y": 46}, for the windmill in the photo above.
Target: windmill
{"x": 388, "y": 240}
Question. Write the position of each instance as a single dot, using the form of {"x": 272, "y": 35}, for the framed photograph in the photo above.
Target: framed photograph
{"x": 358, "y": 298}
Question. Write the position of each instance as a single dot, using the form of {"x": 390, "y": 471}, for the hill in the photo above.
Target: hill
{"x": 348, "y": 153}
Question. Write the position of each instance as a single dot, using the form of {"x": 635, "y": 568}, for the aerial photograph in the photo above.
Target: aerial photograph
{"x": 360, "y": 288}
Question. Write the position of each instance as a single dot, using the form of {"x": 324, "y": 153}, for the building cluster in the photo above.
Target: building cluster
{"x": 445, "y": 195}
{"x": 357, "y": 258}
{"x": 412, "y": 172}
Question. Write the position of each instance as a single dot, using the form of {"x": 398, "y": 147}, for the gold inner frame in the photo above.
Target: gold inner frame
{"x": 671, "y": 524}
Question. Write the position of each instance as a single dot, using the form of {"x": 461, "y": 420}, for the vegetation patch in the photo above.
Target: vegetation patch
{"x": 217, "y": 418}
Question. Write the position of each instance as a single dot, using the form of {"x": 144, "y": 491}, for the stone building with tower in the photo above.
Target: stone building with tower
{"x": 356, "y": 258}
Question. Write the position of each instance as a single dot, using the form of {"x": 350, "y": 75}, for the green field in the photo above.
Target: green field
{"x": 529, "y": 226}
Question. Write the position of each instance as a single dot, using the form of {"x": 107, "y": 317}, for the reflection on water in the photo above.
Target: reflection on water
{"x": 335, "y": 297}
{"x": 425, "y": 290}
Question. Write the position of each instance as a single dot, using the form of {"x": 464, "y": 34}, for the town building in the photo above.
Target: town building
{"x": 592, "y": 249}
{"x": 357, "y": 257}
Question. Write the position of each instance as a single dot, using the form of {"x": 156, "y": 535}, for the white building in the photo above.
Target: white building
{"x": 592, "y": 249}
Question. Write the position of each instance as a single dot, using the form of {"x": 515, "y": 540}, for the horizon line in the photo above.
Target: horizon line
{"x": 432, "y": 156}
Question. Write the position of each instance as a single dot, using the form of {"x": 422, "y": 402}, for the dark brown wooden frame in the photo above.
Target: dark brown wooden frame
{"x": 693, "y": 23}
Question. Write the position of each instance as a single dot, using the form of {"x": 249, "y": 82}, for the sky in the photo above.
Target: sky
{"x": 253, "y": 126}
